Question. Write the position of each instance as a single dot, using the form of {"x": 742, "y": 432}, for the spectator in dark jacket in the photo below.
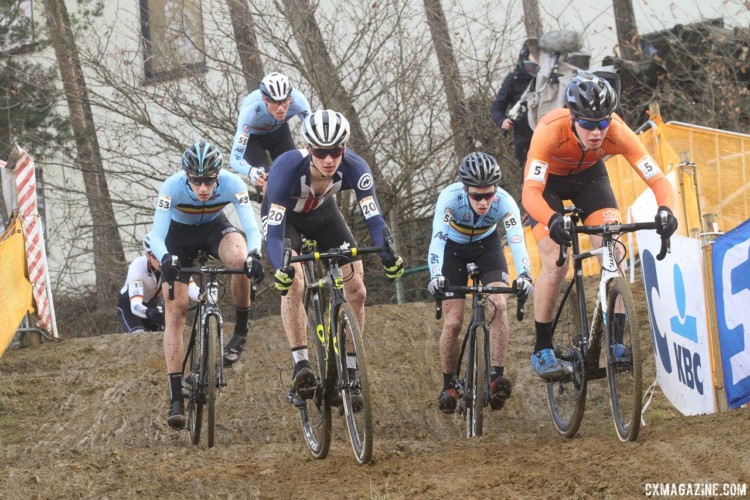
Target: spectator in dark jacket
{"x": 513, "y": 87}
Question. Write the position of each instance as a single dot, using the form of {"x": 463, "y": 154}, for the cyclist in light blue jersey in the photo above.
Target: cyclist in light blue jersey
{"x": 464, "y": 230}
{"x": 190, "y": 218}
{"x": 263, "y": 126}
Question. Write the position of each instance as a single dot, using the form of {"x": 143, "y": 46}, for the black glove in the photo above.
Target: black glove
{"x": 524, "y": 288}
{"x": 435, "y": 287}
{"x": 557, "y": 230}
{"x": 169, "y": 271}
{"x": 394, "y": 266}
{"x": 255, "y": 271}
{"x": 155, "y": 315}
{"x": 283, "y": 279}
{"x": 667, "y": 229}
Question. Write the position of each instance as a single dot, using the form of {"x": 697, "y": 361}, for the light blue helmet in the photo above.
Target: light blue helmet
{"x": 202, "y": 159}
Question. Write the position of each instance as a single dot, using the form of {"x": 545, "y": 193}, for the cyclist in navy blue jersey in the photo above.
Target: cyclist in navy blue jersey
{"x": 189, "y": 218}
{"x": 263, "y": 126}
{"x": 300, "y": 201}
{"x": 464, "y": 230}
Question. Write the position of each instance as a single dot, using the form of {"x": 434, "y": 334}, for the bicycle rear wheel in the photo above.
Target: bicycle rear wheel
{"x": 623, "y": 360}
{"x": 211, "y": 359}
{"x": 354, "y": 383}
{"x": 315, "y": 413}
{"x": 475, "y": 395}
{"x": 195, "y": 398}
{"x": 566, "y": 397}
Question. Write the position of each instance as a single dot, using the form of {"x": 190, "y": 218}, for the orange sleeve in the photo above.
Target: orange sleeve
{"x": 535, "y": 174}
{"x": 648, "y": 169}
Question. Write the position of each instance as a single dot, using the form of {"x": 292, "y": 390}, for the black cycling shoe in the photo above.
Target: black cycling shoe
{"x": 176, "y": 415}
{"x": 303, "y": 379}
{"x": 233, "y": 349}
{"x": 447, "y": 400}
{"x": 500, "y": 389}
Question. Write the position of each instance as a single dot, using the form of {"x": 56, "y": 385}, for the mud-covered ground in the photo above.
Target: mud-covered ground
{"x": 86, "y": 418}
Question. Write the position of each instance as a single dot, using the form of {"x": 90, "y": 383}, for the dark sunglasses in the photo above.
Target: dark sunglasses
{"x": 481, "y": 196}
{"x": 208, "y": 181}
{"x": 322, "y": 153}
{"x": 594, "y": 124}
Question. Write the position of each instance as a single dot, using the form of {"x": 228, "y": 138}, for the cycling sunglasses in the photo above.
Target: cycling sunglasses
{"x": 594, "y": 124}
{"x": 321, "y": 153}
{"x": 481, "y": 196}
{"x": 208, "y": 181}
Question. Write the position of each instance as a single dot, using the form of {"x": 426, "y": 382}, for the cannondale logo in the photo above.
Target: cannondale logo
{"x": 365, "y": 182}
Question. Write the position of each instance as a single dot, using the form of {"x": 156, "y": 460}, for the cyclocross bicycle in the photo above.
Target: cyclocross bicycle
{"x": 336, "y": 351}
{"x": 473, "y": 384}
{"x": 578, "y": 343}
{"x": 203, "y": 365}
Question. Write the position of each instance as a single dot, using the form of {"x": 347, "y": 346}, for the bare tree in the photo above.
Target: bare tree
{"x": 531, "y": 18}
{"x": 109, "y": 258}
{"x": 247, "y": 43}
{"x": 462, "y": 142}
{"x": 627, "y": 30}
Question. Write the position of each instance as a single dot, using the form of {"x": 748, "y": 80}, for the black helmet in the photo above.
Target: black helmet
{"x": 202, "y": 159}
{"x": 589, "y": 96}
{"x": 479, "y": 170}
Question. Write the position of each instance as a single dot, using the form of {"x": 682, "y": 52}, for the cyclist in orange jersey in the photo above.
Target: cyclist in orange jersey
{"x": 566, "y": 162}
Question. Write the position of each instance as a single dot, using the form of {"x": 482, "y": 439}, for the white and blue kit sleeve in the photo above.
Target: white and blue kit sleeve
{"x": 440, "y": 226}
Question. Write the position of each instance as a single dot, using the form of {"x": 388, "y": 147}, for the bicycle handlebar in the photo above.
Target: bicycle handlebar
{"x": 203, "y": 269}
{"x": 614, "y": 229}
{"x": 484, "y": 290}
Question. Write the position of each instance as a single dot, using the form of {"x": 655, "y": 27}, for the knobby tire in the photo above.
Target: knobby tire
{"x": 358, "y": 423}
{"x": 211, "y": 356}
{"x": 624, "y": 376}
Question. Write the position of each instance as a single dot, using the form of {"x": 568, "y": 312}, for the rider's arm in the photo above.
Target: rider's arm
{"x": 502, "y": 100}
{"x": 536, "y": 172}
{"x": 636, "y": 154}
{"x": 514, "y": 232}
{"x": 242, "y": 134}
{"x": 163, "y": 213}
{"x": 136, "y": 272}
{"x": 440, "y": 225}
{"x": 241, "y": 201}
{"x": 358, "y": 176}
{"x": 276, "y": 202}
{"x": 300, "y": 106}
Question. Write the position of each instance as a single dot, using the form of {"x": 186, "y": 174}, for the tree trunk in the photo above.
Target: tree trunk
{"x": 462, "y": 140}
{"x": 109, "y": 258}
{"x": 627, "y": 30}
{"x": 531, "y": 18}
{"x": 247, "y": 43}
{"x": 323, "y": 75}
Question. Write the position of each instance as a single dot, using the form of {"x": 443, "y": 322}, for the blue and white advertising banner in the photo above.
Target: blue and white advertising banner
{"x": 731, "y": 269}
{"x": 677, "y": 313}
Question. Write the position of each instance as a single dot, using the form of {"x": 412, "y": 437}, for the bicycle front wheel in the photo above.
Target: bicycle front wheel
{"x": 566, "y": 398}
{"x": 354, "y": 383}
{"x": 475, "y": 394}
{"x": 623, "y": 360}
{"x": 315, "y": 413}
{"x": 211, "y": 356}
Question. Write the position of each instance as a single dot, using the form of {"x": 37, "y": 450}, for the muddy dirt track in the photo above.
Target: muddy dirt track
{"x": 85, "y": 418}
